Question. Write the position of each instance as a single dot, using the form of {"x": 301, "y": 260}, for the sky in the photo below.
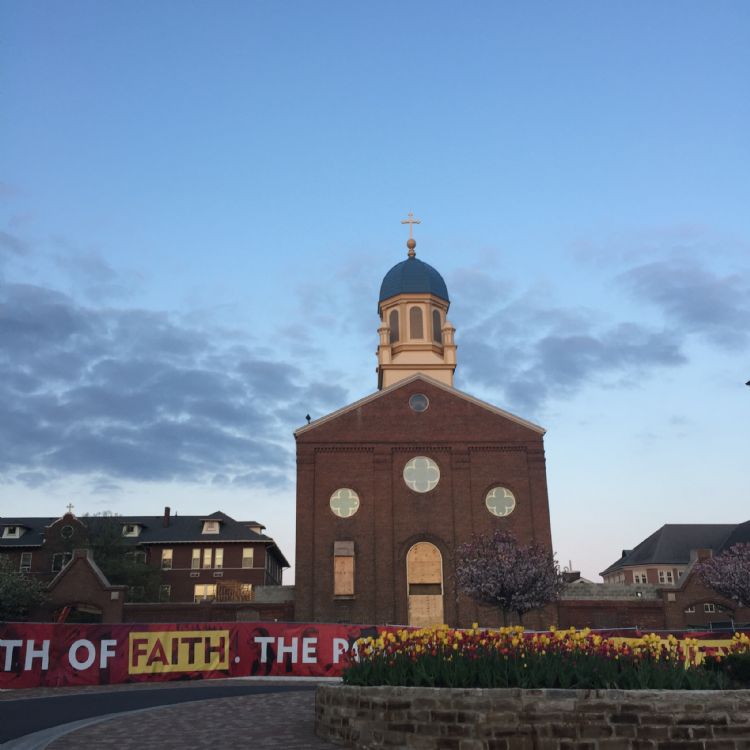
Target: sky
{"x": 199, "y": 200}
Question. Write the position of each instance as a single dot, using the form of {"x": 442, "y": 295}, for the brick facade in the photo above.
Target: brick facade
{"x": 365, "y": 448}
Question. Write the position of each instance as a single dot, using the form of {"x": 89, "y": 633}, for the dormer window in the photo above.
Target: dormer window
{"x": 11, "y": 532}
{"x": 210, "y": 527}
{"x": 131, "y": 529}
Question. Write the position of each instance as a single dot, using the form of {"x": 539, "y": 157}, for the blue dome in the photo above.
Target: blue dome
{"x": 413, "y": 276}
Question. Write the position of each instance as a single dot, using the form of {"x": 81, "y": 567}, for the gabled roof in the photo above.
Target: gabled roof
{"x": 740, "y": 535}
{"x": 672, "y": 544}
{"x": 181, "y": 529}
{"x": 403, "y": 383}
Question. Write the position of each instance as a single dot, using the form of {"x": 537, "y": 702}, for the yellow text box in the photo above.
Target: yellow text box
{"x": 156, "y": 652}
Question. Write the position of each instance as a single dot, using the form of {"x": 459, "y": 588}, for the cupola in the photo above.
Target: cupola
{"x": 415, "y": 335}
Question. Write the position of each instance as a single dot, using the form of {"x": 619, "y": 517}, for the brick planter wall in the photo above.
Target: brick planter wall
{"x": 515, "y": 719}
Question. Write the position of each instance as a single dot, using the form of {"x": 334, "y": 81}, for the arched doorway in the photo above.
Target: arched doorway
{"x": 424, "y": 583}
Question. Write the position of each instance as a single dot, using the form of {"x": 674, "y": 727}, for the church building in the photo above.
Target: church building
{"x": 388, "y": 487}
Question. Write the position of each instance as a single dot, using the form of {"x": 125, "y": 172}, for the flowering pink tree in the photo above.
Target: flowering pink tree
{"x": 729, "y": 573}
{"x": 495, "y": 569}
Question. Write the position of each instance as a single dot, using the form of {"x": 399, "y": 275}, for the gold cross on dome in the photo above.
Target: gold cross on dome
{"x": 411, "y": 221}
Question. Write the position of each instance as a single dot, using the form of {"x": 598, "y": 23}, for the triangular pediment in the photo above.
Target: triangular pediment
{"x": 403, "y": 384}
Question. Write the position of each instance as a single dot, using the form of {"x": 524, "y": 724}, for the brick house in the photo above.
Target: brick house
{"x": 664, "y": 562}
{"x": 389, "y": 486}
{"x": 201, "y": 558}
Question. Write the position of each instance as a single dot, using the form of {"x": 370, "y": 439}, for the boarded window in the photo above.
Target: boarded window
{"x": 415, "y": 323}
{"x": 343, "y": 569}
{"x": 437, "y": 333}
{"x": 393, "y": 323}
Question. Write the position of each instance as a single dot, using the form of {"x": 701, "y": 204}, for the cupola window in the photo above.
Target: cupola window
{"x": 416, "y": 328}
{"x": 437, "y": 333}
{"x": 393, "y": 322}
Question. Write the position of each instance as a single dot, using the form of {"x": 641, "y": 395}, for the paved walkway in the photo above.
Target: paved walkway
{"x": 271, "y": 720}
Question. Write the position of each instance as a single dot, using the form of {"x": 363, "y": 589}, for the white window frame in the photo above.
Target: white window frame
{"x": 709, "y": 608}
{"x": 195, "y": 559}
{"x": 131, "y": 529}
{"x": 211, "y": 527}
{"x": 640, "y": 577}
{"x": 166, "y": 558}
{"x": 12, "y": 532}
{"x": 218, "y": 558}
{"x": 25, "y": 563}
{"x": 248, "y": 557}
{"x": 690, "y": 610}
{"x": 207, "y": 558}
{"x": 666, "y": 576}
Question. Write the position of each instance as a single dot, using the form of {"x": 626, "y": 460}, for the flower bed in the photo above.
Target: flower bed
{"x": 569, "y": 659}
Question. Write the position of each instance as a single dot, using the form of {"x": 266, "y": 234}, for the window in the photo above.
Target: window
{"x": 25, "y": 562}
{"x": 166, "y": 559}
{"x": 690, "y": 610}
{"x": 210, "y": 527}
{"x": 11, "y": 532}
{"x": 60, "y": 560}
{"x": 416, "y": 329}
{"x": 437, "y": 333}
{"x": 344, "y": 502}
{"x": 219, "y": 557}
{"x": 66, "y": 532}
{"x": 343, "y": 569}
{"x": 246, "y": 592}
{"x": 421, "y": 474}
{"x": 393, "y": 323}
{"x": 207, "y": 557}
{"x": 165, "y": 592}
{"x": 640, "y": 576}
{"x": 195, "y": 562}
{"x": 131, "y": 529}
{"x": 709, "y": 607}
{"x": 137, "y": 556}
{"x": 665, "y": 576}
{"x": 136, "y": 593}
{"x": 500, "y": 501}
{"x": 419, "y": 402}
{"x": 247, "y": 557}
{"x": 203, "y": 592}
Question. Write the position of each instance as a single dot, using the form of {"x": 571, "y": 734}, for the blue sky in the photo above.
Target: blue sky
{"x": 198, "y": 202}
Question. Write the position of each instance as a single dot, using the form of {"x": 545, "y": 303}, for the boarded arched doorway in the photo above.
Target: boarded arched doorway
{"x": 424, "y": 583}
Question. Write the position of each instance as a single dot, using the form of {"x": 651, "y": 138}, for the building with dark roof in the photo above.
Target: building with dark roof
{"x": 200, "y": 558}
{"x": 666, "y": 561}
{"x": 663, "y": 557}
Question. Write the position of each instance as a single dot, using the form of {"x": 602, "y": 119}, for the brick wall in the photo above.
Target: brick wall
{"x": 514, "y": 719}
{"x": 366, "y": 449}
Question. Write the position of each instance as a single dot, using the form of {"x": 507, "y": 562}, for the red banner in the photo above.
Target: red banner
{"x": 57, "y": 655}
{"x": 53, "y": 655}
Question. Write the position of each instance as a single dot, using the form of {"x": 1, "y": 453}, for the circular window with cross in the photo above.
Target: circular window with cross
{"x": 344, "y": 502}
{"x": 500, "y": 501}
{"x": 421, "y": 474}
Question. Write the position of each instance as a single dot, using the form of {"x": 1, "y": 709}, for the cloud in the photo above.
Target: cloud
{"x": 696, "y": 300}
{"x": 10, "y": 243}
{"x": 126, "y": 394}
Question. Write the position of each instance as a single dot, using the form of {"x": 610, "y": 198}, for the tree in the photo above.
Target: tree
{"x": 729, "y": 573}
{"x": 120, "y": 562}
{"x": 495, "y": 569}
{"x": 18, "y": 592}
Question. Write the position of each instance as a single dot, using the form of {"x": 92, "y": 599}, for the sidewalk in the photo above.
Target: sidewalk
{"x": 273, "y": 720}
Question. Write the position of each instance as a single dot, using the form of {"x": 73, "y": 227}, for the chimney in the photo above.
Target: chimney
{"x": 166, "y": 516}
